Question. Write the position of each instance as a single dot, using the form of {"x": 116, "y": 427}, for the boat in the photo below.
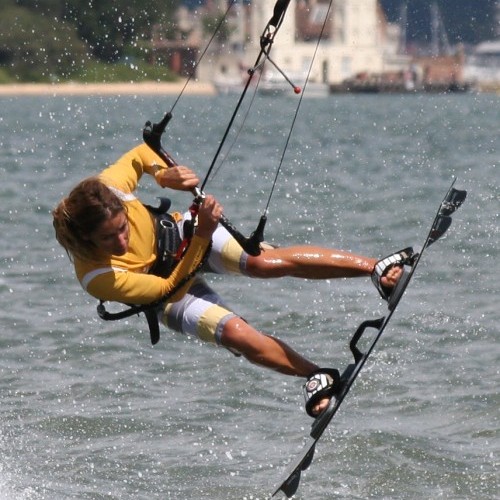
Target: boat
{"x": 229, "y": 85}
{"x": 398, "y": 83}
{"x": 483, "y": 65}
{"x": 273, "y": 84}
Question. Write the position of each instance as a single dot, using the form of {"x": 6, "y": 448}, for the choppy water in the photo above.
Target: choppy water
{"x": 90, "y": 410}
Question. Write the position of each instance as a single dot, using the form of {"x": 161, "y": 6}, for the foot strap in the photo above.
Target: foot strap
{"x": 383, "y": 266}
{"x": 321, "y": 383}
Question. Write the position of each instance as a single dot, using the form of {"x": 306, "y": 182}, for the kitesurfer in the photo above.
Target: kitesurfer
{"x": 110, "y": 237}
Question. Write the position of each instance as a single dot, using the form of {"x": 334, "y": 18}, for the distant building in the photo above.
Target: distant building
{"x": 355, "y": 38}
{"x": 352, "y": 41}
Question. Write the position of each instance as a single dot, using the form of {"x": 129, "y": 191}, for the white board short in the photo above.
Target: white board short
{"x": 202, "y": 312}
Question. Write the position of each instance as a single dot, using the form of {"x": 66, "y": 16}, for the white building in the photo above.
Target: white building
{"x": 356, "y": 39}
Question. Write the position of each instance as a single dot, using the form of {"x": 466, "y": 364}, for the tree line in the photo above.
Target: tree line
{"x": 44, "y": 40}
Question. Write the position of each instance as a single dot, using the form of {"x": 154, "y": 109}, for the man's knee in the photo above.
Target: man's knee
{"x": 269, "y": 264}
{"x": 236, "y": 333}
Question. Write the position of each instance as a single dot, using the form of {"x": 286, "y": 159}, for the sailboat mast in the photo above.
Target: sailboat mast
{"x": 403, "y": 28}
{"x": 438, "y": 33}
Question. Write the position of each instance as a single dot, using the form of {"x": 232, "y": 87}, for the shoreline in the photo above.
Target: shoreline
{"x": 133, "y": 88}
{"x": 73, "y": 88}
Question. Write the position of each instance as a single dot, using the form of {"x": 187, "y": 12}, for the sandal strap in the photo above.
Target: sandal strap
{"x": 324, "y": 382}
{"x": 383, "y": 266}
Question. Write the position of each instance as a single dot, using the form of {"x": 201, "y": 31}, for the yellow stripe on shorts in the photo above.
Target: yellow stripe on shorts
{"x": 209, "y": 323}
{"x": 231, "y": 256}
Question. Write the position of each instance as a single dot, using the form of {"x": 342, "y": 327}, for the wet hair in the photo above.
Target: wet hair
{"x": 77, "y": 216}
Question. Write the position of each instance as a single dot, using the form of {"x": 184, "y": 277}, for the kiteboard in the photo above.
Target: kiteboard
{"x": 442, "y": 221}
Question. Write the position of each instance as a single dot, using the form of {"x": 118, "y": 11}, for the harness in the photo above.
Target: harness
{"x": 168, "y": 239}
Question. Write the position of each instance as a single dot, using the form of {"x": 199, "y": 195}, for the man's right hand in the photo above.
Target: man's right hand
{"x": 208, "y": 217}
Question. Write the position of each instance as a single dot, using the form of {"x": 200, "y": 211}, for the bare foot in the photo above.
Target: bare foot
{"x": 391, "y": 279}
{"x": 321, "y": 406}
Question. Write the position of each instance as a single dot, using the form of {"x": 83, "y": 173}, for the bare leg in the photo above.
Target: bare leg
{"x": 309, "y": 262}
{"x": 264, "y": 350}
{"x": 312, "y": 262}
{"x": 269, "y": 352}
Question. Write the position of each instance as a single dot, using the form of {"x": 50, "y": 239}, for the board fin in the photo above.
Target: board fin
{"x": 291, "y": 484}
{"x": 443, "y": 222}
{"x": 451, "y": 203}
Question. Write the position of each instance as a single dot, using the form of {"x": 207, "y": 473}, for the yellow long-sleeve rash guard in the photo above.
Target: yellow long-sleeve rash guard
{"x": 124, "y": 278}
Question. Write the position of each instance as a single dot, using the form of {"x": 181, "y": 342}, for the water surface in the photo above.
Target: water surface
{"x": 90, "y": 410}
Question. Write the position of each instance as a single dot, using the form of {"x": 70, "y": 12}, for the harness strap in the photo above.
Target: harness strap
{"x": 150, "y": 309}
{"x": 153, "y": 324}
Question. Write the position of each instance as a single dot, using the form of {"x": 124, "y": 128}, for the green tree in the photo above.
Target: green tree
{"x": 42, "y": 7}
{"x": 38, "y": 48}
{"x": 110, "y": 29}
{"x": 53, "y": 39}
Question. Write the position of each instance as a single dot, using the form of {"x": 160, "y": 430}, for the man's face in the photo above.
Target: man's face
{"x": 112, "y": 236}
